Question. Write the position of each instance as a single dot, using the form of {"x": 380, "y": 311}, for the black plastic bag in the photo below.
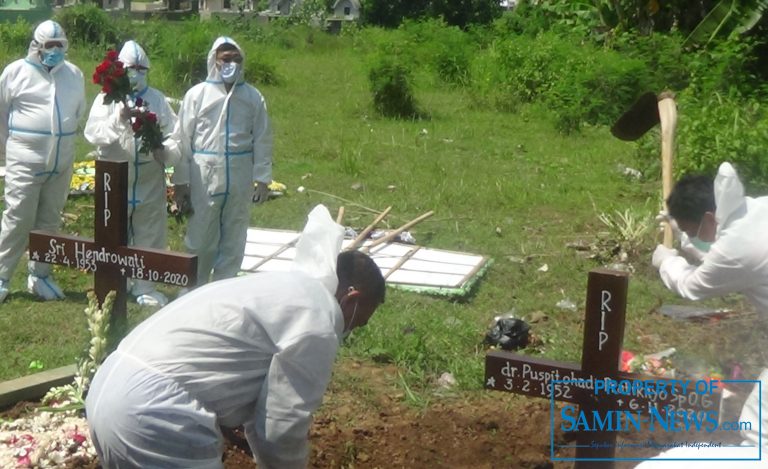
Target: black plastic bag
{"x": 508, "y": 333}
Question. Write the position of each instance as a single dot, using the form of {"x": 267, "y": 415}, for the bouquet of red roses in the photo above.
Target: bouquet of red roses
{"x": 146, "y": 127}
{"x": 110, "y": 74}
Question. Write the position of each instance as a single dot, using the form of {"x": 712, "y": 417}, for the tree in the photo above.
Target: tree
{"x": 390, "y": 13}
{"x": 462, "y": 13}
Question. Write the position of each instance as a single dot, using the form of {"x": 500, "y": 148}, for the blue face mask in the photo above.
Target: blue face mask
{"x": 137, "y": 78}
{"x": 700, "y": 244}
{"x": 52, "y": 57}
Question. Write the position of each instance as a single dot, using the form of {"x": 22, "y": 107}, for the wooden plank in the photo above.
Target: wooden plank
{"x": 155, "y": 265}
{"x": 520, "y": 374}
{"x": 33, "y": 387}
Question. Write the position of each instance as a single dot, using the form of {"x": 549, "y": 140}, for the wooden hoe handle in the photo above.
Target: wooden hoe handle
{"x": 668, "y": 120}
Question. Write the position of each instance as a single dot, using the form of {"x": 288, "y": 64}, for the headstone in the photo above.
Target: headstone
{"x": 107, "y": 256}
{"x": 603, "y": 337}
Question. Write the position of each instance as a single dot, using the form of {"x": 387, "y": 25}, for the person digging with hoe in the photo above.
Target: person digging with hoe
{"x": 255, "y": 351}
{"x": 723, "y": 235}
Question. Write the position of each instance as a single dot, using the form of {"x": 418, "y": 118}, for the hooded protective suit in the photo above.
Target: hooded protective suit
{"x": 738, "y": 259}
{"x": 226, "y": 145}
{"x": 112, "y": 134}
{"x": 39, "y": 113}
{"x": 256, "y": 351}
{"x": 736, "y": 262}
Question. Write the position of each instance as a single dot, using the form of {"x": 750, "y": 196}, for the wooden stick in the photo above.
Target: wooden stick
{"x": 363, "y": 234}
{"x": 668, "y": 118}
{"x": 347, "y": 201}
{"x": 402, "y": 261}
{"x": 392, "y": 235}
{"x": 340, "y": 215}
{"x": 279, "y": 251}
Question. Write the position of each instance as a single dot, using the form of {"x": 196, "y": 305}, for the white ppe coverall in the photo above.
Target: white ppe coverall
{"x": 736, "y": 262}
{"x": 256, "y": 350}
{"x": 39, "y": 114}
{"x": 738, "y": 259}
{"x": 114, "y": 138}
{"x": 226, "y": 145}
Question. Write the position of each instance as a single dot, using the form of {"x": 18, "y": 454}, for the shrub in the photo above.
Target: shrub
{"x": 724, "y": 67}
{"x": 445, "y": 49}
{"x": 595, "y": 88}
{"x": 15, "y": 37}
{"x": 721, "y": 115}
{"x": 188, "y": 64}
{"x": 721, "y": 127}
{"x": 391, "y": 82}
{"x": 87, "y": 24}
{"x": 259, "y": 69}
{"x": 668, "y": 66}
{"x": 520, "y": 69}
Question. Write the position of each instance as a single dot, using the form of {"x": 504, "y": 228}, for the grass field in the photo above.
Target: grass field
{"x": 504, "y": 185}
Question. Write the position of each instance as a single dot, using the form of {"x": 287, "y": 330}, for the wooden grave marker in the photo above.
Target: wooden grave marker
{"x": 603, "y": 338}
{"x": 107, "y": 256}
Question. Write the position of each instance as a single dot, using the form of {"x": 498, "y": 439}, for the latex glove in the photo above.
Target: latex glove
{"x": 685, "y": 242}
{"x": 661, "y": 254}
{"x": 260, "y": 193}
{"x": 159, "y": 155}
{"x": 182, "y": 200}
{"x": 127, "y": 112}
{"x": 687, "y": 247}
{"x": 663, "y": 218}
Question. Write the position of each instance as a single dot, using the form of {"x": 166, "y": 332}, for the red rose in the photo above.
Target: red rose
{"x": 102, "y": 67}
{"x": 119, "y": 72}
{"x": 136, "y": 126}
{"x": 112, "y": 55}
{"x": 107, "y": 88}
{"x": 151, "y": 117}
{"x": 96, "y": 79}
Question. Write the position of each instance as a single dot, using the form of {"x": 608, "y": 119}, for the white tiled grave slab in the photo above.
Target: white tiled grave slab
{"x": 406, "y": 265}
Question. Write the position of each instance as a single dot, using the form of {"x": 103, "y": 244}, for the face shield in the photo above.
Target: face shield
{"x": 136, "y": 64}
{"x": 50, "y": 42}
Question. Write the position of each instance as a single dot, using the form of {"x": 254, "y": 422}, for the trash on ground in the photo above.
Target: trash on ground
{"x": 446, "y": 381}
{"x": 694, "y": 312}
{"x": 508, "y": 333}
{"x": 566, "y": 305}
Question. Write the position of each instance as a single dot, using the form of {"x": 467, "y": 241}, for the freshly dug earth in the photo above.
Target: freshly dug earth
{"x": 365, "y": 422}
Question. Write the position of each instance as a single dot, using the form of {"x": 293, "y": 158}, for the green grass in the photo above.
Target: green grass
{"x": 507, "y": 186}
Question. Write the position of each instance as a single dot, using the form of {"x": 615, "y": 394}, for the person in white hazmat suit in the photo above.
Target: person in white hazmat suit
{"x": 256, "y": 350}
{"x": 226, "y": 146}
{"x": 42, "y": 98}
{"x": 109, "y": 128}
{"x": 726, "y": 234}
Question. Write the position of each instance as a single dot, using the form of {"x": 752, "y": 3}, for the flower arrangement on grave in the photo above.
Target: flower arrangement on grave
{"x": 110, "y": 74}
{"x": 45, "y": 439}
{"x": 632, "y": 363}
{"x": 57, "y": 434}
{"x": 83, "y": 178}
{"x": 72, "y": 396}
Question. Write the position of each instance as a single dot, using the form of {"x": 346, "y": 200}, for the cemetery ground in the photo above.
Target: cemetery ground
{"x": 504, "y": 185}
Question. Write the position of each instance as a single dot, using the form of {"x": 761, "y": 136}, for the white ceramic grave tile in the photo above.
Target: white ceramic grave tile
{"x": 410, "y": 266}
